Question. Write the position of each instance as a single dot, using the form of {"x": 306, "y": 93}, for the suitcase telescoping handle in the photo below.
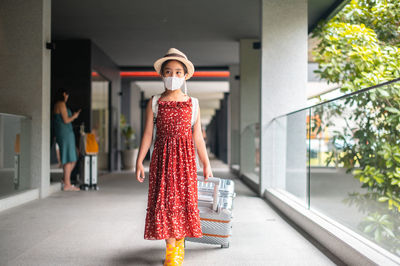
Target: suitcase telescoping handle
{"x": 216, "y": 182}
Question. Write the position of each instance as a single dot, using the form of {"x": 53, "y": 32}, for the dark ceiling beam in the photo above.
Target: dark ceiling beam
{"x": 329, "y": 13}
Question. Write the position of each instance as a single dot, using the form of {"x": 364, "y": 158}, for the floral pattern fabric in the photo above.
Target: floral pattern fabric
{"x": 172, "y": 208}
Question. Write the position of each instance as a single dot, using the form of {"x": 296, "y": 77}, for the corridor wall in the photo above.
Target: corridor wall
{"x": 25, "y": 80}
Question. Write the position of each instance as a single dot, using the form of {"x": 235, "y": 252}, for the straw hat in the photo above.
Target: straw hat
{"x": 175, "y": 54}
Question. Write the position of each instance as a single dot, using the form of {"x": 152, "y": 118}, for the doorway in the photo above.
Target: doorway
{"x": 100, "y": 118}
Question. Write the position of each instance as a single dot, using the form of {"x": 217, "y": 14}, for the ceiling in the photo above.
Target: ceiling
{"x": 136, "y": 33}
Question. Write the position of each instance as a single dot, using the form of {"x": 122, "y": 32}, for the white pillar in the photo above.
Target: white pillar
{"x": 249, "y": 106}
{"x": 25, "y": 78}
{"x": 1, "y": 142}
{"x": 283, "y": 85}
{"x": 135, "y": 110}
{"x": 233, "y": 119}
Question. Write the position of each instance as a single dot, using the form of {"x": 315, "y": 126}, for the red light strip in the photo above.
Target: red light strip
{"x": 139, "y": 74}
{"x": 212, "y": 74}
{"x": 203, "y": 74}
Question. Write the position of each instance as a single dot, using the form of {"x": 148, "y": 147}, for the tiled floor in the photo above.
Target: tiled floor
{"x": 105, "y": 227}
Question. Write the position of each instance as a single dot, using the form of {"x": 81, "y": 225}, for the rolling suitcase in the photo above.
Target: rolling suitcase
{"x": 215, "y": 203}
{"x": 88, "y": 170}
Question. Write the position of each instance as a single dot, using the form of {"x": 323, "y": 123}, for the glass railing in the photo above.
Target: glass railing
{"x": 14, "y": 154}
{"x": 250, "y": 152}
{"x": 290, "y": 151}
{"x": 342, "y": 159}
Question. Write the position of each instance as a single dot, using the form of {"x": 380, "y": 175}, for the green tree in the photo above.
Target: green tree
{"x": 359, "y": 48}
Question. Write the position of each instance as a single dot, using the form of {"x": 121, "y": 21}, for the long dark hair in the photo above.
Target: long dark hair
{"x": 60, "y": 94}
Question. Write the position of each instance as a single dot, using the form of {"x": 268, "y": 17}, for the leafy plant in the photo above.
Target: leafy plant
{"x": 128, "y": 133}
{"x": 359, "y": 48}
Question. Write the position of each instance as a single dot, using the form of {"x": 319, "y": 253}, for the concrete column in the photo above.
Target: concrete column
{"x": 135, "y": 111}
{"x": 25, "y": 77}
{"x": 130, "y": 106}
{"x": 283, "y": 88}
{"x": 1, "y": 142}
{"x": 125, "y": 99}
{"x": 125, "y": 104}
{"x": 249, "y": 94}
{"x": 233, "y": 120}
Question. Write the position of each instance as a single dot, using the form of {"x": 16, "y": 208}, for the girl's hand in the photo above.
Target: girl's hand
{"x": 76, "y": 114}
{"x": 207, "y": 172}
{"x": 140, "y": 172}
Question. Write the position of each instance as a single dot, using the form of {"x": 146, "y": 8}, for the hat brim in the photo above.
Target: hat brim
{"x": 187, "y": 63}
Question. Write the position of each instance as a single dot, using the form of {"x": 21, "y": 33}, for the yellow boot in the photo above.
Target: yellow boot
{"x": 172, "y": 257}
{"x": 181, "y": 245}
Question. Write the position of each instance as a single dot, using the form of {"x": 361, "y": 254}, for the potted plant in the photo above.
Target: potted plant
{"x": 130, "y": 151}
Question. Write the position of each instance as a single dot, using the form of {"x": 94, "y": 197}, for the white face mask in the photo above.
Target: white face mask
{"x": 173, "y": 83}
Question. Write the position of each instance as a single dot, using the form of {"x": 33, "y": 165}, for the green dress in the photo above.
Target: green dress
{"x": 65, "y": 139}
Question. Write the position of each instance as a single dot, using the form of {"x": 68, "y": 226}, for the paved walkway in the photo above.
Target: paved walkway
{"x": 105, "y": 227}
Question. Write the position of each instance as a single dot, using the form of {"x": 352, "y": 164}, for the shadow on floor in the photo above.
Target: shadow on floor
{"x": 155, "y": 256}
{"x": 143, "y": 256}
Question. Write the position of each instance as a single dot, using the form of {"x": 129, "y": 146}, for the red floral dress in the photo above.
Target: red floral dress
{"x": 172, "y": 209}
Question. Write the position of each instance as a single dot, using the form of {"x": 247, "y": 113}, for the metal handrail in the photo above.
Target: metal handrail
{"x": 340, "y": 97}
{"x": 250, "y": 126}
{"x": 16, "y": 116}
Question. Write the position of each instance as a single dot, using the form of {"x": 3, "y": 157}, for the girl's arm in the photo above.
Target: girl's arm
{"x": 145, "y": 143}
{"x": 201, "y": 147}
{"x": 64, "y": 114}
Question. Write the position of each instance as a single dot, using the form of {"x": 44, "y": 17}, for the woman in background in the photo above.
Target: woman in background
{"x": 65, "y": 137}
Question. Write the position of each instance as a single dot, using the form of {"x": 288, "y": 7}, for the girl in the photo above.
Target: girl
{"x": 172, "y": 210}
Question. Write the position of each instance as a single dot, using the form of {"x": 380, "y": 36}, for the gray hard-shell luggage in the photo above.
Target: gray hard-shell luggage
{"x": 88, "y": 166}
{"x": 215, "y": 205}
{"x": 88, "y": 175}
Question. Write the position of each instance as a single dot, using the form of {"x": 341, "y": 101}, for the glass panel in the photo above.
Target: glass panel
{"x": 14, "y": 154}
{"x": 355, "y": 163}
{"x": 250, "y": 145}
{"x": 100, "y": 117}
{"x": 290, "y": 142}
